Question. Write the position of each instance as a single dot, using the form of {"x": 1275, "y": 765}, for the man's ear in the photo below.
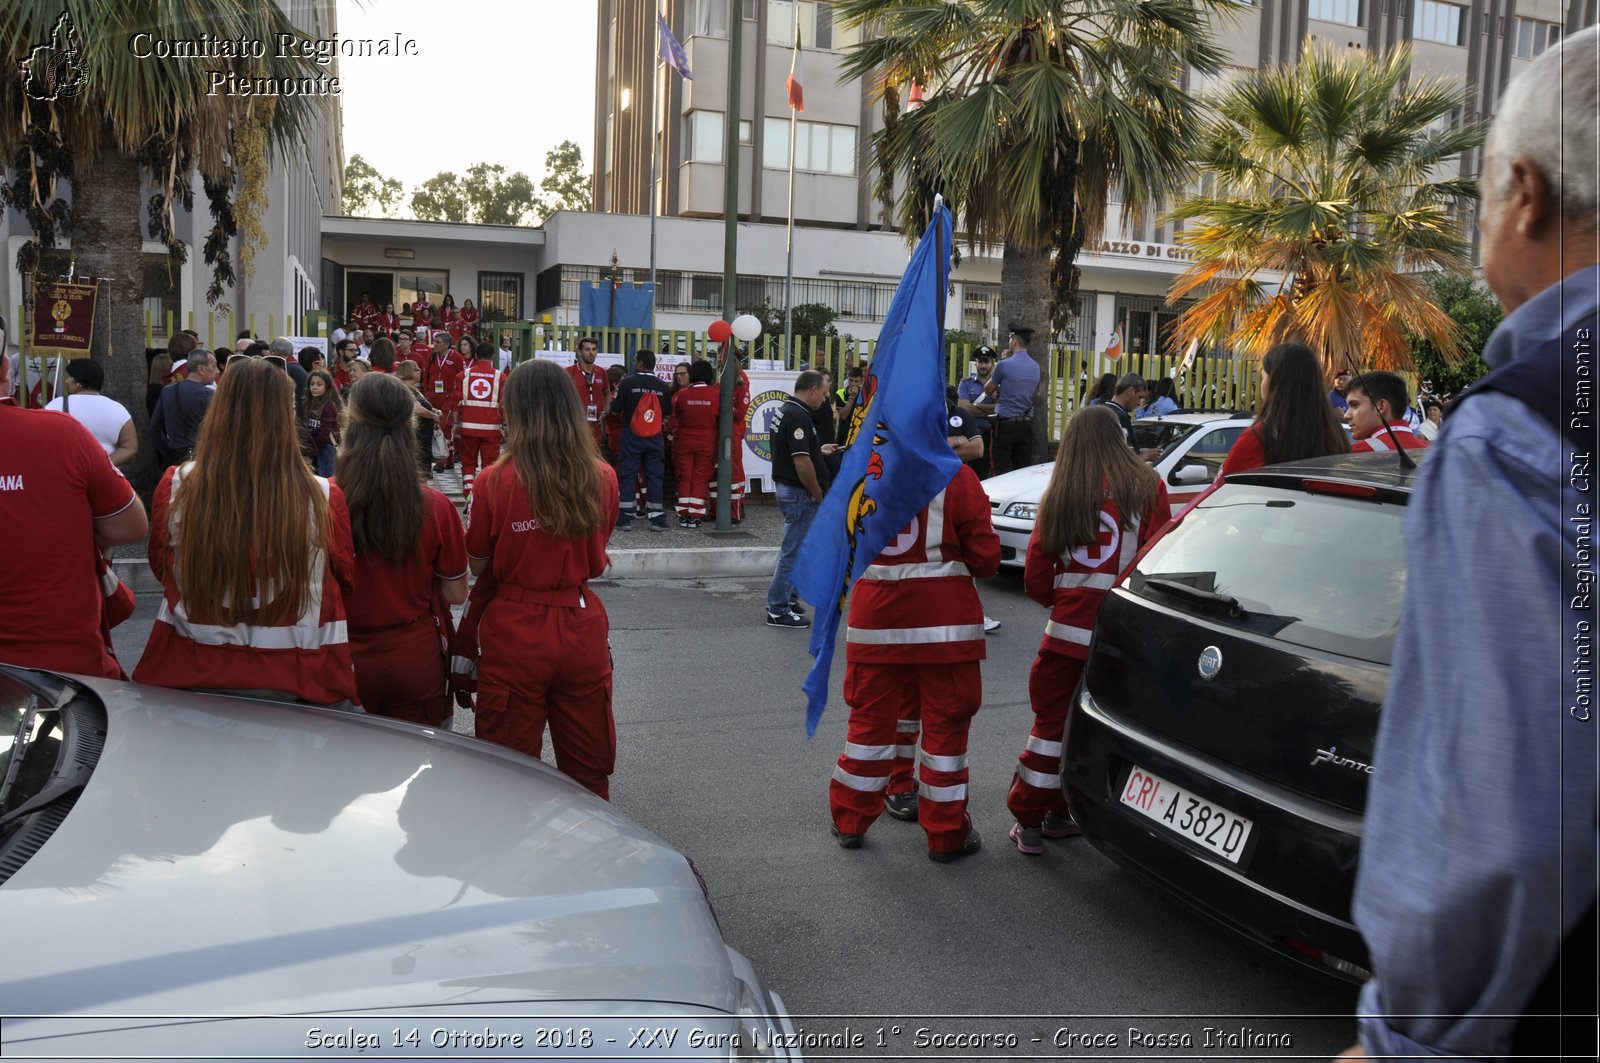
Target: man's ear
{"x": 1530, "y": 201}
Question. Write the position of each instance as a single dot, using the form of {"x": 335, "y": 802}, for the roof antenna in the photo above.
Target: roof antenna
{"x": 1406, "y": 460}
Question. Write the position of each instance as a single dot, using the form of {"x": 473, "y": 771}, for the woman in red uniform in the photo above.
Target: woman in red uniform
{"x": 389, "y": 320}
{"x": 410, "y": 558}
{"x": 469, "y": 319}
{"x": 694, "y": 442}
{"x": 1101, "y": 506}
{"x": 450, "y": 318}
{"x": 1294, "y": 418}
{"x": 254, "y": 556}
{"x": 540, "y": 520}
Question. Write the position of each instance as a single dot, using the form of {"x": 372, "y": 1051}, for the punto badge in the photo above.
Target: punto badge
{"x": 1210, "y": 662}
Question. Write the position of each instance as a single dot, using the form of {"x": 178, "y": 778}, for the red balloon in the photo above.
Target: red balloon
{"x": 720, "y": 331}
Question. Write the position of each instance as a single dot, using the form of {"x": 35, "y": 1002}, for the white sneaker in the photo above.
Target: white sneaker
{"x": 990, "y": 625}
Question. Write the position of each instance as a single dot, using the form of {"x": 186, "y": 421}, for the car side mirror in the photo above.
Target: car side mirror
{"x": 1191, "y": 474}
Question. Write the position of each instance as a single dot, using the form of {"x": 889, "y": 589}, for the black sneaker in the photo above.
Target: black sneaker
{"x": 968, "y": 847}
{"x": 658, "y": 523}
{"x": 686, "y": 522}
{"x": 847, "y": 841}
{"x": 641, "y": 513}
{"x": 796, "y": 608}
{"x": 624, "y": 522}
{"x": 901, "y": 806}
{"x": 786, "y": 619}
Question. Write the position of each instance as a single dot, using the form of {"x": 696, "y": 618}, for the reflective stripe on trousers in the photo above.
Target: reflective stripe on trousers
{"x": 1036, "y": 786}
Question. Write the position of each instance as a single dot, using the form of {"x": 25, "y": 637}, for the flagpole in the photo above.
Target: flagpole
{"x": 730, "y": 272}
{"x": 788, "y": 279}
{"x": 655, "y": 161}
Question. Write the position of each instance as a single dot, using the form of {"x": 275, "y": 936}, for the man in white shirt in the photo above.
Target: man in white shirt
{"x": 505, "y": 352}
{"x": 106, "y": 419}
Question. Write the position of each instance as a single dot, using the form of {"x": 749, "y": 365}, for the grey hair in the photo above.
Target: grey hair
{"x": 198, "y": 358}
{"x": 1130, "y": 380}
{"x": 282, "y": 346}
{"x": 1549, "y": 114}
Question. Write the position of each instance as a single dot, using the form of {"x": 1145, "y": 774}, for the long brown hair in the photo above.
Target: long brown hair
{"x": 1295, "y": 419}
{"x": 378, "y": 470}
{"x": 251, "y": 513}
{"x": 552, "y": 450}
{"x": 1094, "y": 462}
{"x": 330, "y": 391}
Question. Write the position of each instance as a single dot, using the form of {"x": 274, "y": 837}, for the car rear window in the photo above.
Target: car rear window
{"x": 1312, "y": 570}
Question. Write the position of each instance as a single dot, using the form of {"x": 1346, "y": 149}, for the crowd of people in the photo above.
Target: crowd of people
{"x": 279, "y": 581}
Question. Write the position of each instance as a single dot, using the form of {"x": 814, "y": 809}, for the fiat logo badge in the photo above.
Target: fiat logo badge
{"x": 1210, "y": 662}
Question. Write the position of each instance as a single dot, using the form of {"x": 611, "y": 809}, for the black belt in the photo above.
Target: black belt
{"x": 1023, "y": 417}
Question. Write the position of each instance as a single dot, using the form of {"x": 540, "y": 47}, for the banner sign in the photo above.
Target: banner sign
{"x": 63, "y": 318}
{"x": 302, "y": 342}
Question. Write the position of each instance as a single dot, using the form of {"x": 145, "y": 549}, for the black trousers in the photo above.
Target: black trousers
{"x": 1013, "y": 444}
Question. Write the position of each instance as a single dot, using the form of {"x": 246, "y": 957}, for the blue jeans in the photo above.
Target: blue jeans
{"x": 651, "y": 453}
{"x": 798, "y": 510}
{"x": 326, "y": 459}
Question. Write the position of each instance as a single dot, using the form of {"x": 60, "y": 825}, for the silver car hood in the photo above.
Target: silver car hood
{"x": 232, "y": 857}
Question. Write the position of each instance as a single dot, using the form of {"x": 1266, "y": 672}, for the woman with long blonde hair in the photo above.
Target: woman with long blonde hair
{"x": 541, "y": 517}
{"x": 1101, "y": 506}
{"x": 254, "y": 555}
{"x": 411, "y": 558}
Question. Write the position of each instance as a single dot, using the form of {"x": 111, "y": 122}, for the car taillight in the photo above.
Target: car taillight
{"x": 1337, "y": 487}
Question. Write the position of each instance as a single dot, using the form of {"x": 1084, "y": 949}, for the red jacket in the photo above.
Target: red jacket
{"x": 422, "y": 313}
{"x": 694, "y": 417}
{"x": 1073, "y": 585}
{"x": 1379, "y": 440}
{"x": 478, "y": 399}
{"x": 593, "y": 391}
{"x": 917, "y": 604}
{"x": 441, "y": 376}
{"x": 308, "y": 658}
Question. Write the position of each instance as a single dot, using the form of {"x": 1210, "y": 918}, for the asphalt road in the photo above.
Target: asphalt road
{"x": 713, "y": 757}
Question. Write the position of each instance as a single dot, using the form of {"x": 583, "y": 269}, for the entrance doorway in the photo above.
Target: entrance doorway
{"x": 378, "y": 286}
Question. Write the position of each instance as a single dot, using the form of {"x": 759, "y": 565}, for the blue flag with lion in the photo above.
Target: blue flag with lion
{"x": 898, "y": 459}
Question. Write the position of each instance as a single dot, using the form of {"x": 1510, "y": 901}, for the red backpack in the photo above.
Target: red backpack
{"x": 646, "y": 419}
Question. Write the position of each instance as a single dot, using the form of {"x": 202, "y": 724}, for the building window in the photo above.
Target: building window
{"x": 161, "y": 296}
{"x": 708, "y": 18}
{"x": 818, "y": 147}
{"x": 703, "y": 134}
{"x": 705, "y": 291}
{"x": 500, "y": 296}
{"x": 746, "y": 130}
{"x": 1529, "y": 37}
{"x": 818, "y": 28}
{"x": 1347, "y": 12}
{"x": 1441, "y": 23}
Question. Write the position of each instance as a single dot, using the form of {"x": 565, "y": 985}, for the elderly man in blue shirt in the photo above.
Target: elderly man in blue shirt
{"x": 1476, "y": 892}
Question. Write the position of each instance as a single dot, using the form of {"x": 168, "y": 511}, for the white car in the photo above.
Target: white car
{"x": 1193, "y": 446}
{"x": 201, "y": 877}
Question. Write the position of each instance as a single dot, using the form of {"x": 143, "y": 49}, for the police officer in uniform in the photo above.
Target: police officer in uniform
{"x": 1013, "y": 385}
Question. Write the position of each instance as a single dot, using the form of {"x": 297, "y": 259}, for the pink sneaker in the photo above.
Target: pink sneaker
{"x": 1027, "y": 839}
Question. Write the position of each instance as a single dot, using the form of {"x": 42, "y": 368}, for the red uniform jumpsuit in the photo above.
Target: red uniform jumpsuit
{"x": 55, "y": 482}
{"x": 542, "y": 600}
{"x": 400, "y": 625}
{"x": 422, "y": 314}
{"x": 1072, "y": 586}
{"x": 307, "y": 659}
{"x": 1379, "y": 440}
{"x": 694, "y": 446}
{"x": 469, "y": 320}
{"x": 441, "y": 375}
{"x": 450, "y": 321}
{"x": 915, "y": 640}
{"x": 593, "y": 394}
{"x": 365, "y": 315}
{"x": 477, "y": 402}
{"x": 741, "y": 408}
{"x": 387, "y": 322}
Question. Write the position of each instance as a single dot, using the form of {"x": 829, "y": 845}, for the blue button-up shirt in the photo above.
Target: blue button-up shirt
{"x": 970, "y": 389}
{"x": 1018, "y": 377}
{"x": 1480, "y": 839}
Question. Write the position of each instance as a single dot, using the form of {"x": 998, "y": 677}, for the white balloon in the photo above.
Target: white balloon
{"x": 746, "y": 327}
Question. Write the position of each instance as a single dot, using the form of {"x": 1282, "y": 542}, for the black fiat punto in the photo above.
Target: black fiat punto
{"x": 1221, "y": 740}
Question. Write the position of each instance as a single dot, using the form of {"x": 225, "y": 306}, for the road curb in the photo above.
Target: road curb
{"x": 682, "y": 563}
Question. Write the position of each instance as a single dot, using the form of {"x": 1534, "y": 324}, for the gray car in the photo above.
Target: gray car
{"x": 195, "y": 875}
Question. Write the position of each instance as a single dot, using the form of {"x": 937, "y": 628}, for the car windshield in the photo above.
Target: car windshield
{"x": 1153, "y": 435}
{"x": 1314, "y": 570}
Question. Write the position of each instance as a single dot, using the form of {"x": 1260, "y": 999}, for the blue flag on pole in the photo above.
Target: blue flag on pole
{"x": 898, "y": 462}
{"x": 670, "y": 51}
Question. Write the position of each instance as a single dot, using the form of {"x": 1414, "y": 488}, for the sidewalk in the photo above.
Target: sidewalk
{"x": 749, "y": 549}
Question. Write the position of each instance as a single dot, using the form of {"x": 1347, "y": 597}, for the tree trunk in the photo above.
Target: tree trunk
{"x": 1025, "y": 301}
{"x": 107, "y": 241}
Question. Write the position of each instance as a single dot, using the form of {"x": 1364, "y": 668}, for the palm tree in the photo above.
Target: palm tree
{"x": 1037, "y": 108}
{"x": 92, "y": 114}
{"x": 1328, "y": 174}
